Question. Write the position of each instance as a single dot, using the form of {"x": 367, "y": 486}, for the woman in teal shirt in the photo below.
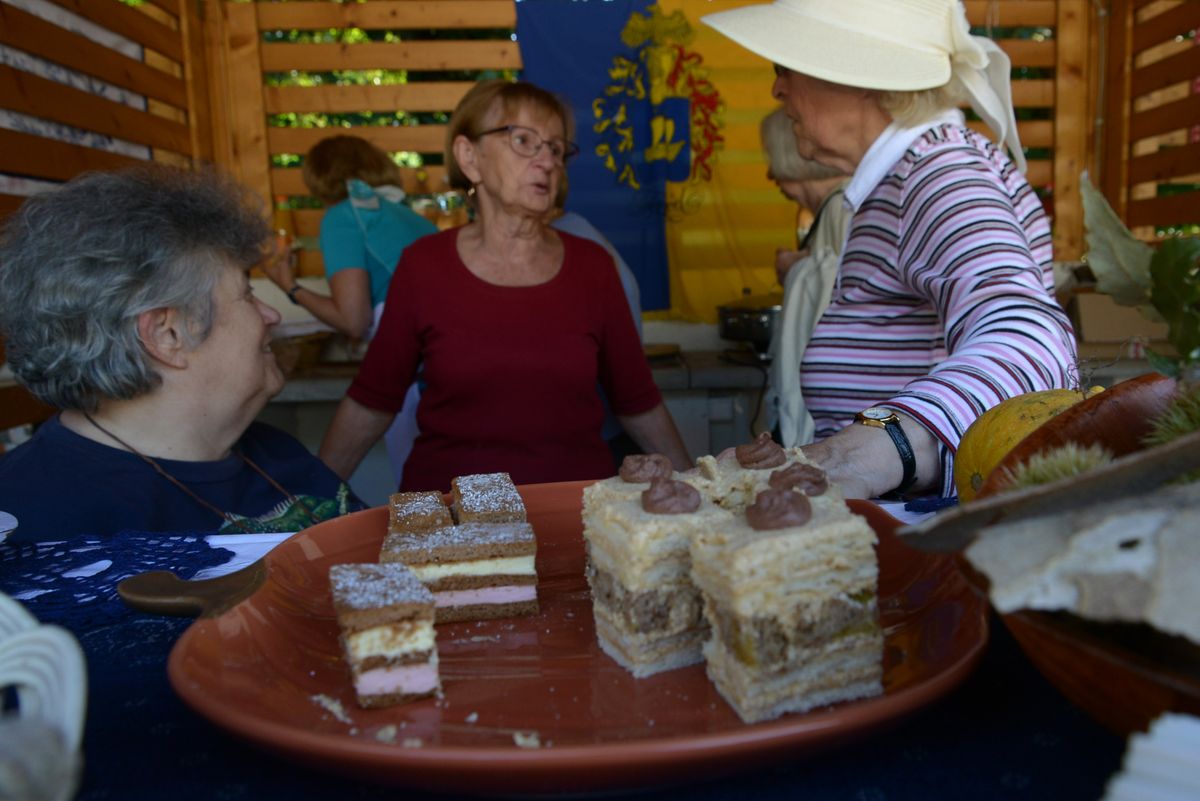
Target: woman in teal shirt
{"x": 365, "y": 229}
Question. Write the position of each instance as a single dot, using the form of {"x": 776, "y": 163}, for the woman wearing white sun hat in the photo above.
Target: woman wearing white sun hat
{"x": 944, "y": 301}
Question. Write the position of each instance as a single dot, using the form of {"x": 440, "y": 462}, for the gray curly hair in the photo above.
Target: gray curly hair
{"x": 80, "y": 263}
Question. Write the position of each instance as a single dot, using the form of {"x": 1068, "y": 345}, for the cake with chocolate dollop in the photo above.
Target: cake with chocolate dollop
{"x": 646, "y": 609}
{"x": 634, "y": 477}
{"x": 753, "y": 564}
{"x": 789, "y": 590}
{"x": 734, "y": 480}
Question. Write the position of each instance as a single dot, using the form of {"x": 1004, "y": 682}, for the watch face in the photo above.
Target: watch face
{"x": 876, "y": 413}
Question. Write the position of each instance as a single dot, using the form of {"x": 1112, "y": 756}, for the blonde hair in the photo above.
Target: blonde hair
{"x": 471, "y": 116}
{"x": 784, "y": 161}
{"x": 332, "y": 161}
{"x": 911, "y": 108}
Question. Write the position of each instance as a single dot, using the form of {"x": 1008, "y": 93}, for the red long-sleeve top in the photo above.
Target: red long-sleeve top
{"x": 510, "y": 374}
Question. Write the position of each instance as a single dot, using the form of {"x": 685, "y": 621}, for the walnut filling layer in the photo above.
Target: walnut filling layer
{"x": 649, "y": 611}
{"x": 764, "y": 642}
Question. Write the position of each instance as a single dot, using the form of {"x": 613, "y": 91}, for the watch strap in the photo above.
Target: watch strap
{"x": 908, "y": 460}
{"x": 291, "y": 293}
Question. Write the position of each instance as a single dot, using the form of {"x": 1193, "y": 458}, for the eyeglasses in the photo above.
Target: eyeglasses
{"x": 526, "y": 142}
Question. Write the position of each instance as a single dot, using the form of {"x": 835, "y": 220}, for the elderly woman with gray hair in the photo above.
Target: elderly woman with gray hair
{"x": 943, "y": 302}
{"x": 125, "y": 302}
{"x": 806, "y": 272}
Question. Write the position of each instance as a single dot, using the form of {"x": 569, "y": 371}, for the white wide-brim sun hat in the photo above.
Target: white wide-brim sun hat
{"x": 872, "y": 44}
{"x": 885, "y": 45}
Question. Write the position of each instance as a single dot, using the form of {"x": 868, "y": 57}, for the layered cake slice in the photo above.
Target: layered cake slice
{"x": 790, "y": 595}
{"x": 647, "y": 611}
{"x": 476, "y": 571}
{"x": 486, "y": 498}
{"x": 417, "y": 511}
{"x": 386, "y": 616}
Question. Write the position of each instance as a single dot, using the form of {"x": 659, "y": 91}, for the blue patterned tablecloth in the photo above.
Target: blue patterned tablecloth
{"x": 1004, "y": 734}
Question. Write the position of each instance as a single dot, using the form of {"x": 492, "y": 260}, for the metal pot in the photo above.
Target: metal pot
{"x": 751, "y": 319}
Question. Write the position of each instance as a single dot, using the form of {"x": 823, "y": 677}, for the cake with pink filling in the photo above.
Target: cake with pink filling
{"x": 417, "y": 511}
{"x": 486, "y": 498}
{"x": 386, "y": 619}
{"x": 476, "y": 571}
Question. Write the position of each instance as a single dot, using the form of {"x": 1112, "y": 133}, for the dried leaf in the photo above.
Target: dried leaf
{"x": 1120, "y": 261}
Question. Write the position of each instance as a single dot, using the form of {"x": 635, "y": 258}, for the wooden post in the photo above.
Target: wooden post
{"x": 192, "y": 14}
{"x": 1072, "y": 125}
{"x": 241, "y": 98}
{"x": 1114, "y": 158}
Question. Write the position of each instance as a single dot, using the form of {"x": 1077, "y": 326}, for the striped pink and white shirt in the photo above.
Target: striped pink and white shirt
{"x": 944, "y": 304}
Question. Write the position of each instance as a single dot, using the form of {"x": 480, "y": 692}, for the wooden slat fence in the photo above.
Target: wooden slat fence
{"x": 167, "y": 124}
{"x": 1050, "y": 87}
{"x": 1048, "y": 43}
{"x": 473, "y": 38}
{"x": 62, "y": 93}
{"x": 1152, "y": 151}
{"x": 205, "y": 66}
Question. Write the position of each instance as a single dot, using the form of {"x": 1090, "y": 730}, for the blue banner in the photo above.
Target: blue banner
{"x": 630, "y": 145}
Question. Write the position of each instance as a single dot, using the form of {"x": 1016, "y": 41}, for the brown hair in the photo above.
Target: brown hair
{"x": 471, "y": 116}
{"x": 333, "y": 161}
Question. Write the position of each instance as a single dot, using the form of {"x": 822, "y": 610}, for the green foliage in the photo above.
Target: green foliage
{"x": 1175, "y": 294}
{"x": 349, "y": 122}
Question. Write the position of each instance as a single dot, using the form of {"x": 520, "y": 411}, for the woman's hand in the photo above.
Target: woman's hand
{"x": 280, "y": 266}
{"x": 655, "y": 432}
{"x": 864, "y": 462}
{"x": 784, "y": 261}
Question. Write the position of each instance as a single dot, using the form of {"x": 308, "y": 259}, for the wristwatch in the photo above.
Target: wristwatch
{"x": 291, "y": 293}
{"x": 878, "y": 417}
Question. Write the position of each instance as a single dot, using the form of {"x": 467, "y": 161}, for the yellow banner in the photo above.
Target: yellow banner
{"x": 723, "y": 233}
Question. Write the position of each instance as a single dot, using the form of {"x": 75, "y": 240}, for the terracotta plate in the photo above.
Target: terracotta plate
{"x": 531, "y": 704}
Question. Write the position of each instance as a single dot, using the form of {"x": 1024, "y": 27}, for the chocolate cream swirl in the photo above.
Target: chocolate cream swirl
{"x": 761, "y": 454}
{"x": 641, "y": 468}
{"x": 806, "y": 478}
{"x": 778, "y": 508}
{"x": 669, "y": 497}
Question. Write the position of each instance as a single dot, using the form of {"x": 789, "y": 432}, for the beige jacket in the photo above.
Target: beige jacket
{"x": 806, "y": 293}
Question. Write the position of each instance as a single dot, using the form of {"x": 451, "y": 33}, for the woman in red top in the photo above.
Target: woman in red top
{"x": 515, "y": 323}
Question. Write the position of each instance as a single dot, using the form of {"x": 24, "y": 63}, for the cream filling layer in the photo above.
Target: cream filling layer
{"x": 391, "y": 640}
{"x": 406, "y": 679}
{"x": 486, "y": 595}
{"x": 507, "y": 566}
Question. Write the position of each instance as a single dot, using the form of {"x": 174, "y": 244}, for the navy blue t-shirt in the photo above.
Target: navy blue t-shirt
{"x": 61, "y": 485}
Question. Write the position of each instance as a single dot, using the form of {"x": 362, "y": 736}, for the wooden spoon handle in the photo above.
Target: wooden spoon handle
{"x": 164, "y": 593}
